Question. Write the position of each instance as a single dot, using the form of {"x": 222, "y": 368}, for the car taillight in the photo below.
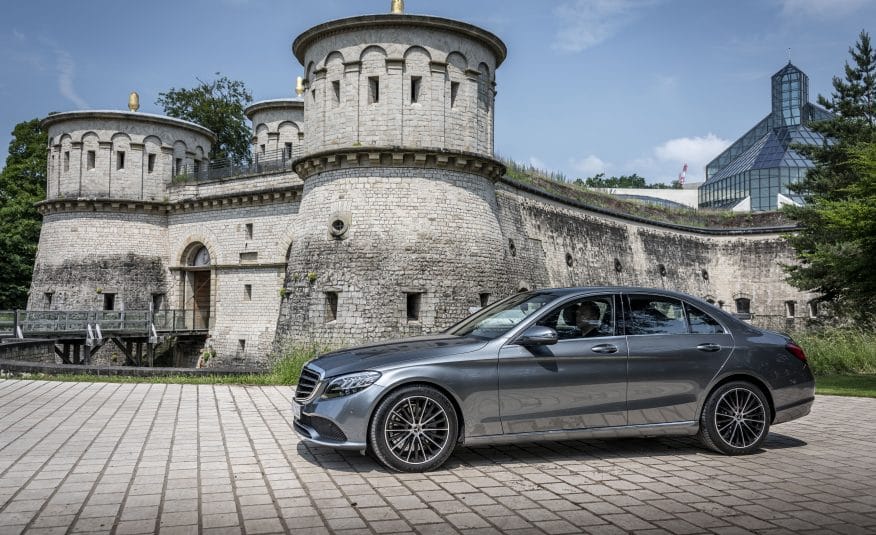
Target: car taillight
{"x": 796, "y": 350}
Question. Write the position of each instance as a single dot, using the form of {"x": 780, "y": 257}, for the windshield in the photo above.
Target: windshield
{"x": 500, "y": 318}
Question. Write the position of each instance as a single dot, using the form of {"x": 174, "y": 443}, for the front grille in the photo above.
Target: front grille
{"x": 306, "y": 384}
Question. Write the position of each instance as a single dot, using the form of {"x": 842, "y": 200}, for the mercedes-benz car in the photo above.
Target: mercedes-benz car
{"x": 558, "y": 364}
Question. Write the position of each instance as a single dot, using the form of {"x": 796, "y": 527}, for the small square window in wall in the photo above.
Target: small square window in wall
{"x": 90, "y": 159}
{"x": 485, "y": 299}
{"x": 157, "y": 302}
{"x": 414, "y": 302}
{"x": 150, "y": 163}
{"x": 373, "y": 90}
{"x": 331, "y": 306}
{"x": 247, "y": 292}
{"x": 241, "y": 345}
{"x": 120, "y": 160}
{"x": 249, "y": 231}
{"x": 249, "y": 258}
{"x": 109, "y": 301}
{"x": 813, "y": 309}
{"x": 790, "y": 309}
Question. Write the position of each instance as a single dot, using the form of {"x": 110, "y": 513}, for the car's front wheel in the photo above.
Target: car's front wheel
{"x": 414, "y": 429}
{"x": 735, "y": 419}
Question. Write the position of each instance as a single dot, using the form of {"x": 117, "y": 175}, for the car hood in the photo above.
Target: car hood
{"x": 390, "y": 354}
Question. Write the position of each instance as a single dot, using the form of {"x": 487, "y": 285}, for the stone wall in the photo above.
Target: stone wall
{"x": 28, "y": 350}
{"x": 429, "y": 233}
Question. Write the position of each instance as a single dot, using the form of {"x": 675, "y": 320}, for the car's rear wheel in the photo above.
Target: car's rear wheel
{"x": 735, "y": 419}
{"x": 414, "y": 429}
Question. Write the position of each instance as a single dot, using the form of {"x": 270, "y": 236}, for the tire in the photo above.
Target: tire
{"x": 735, "y": 419}
{"x": 397, "y": 437}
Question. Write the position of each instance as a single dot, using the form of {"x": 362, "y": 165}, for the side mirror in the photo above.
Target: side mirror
{"x": 538, "y": 335}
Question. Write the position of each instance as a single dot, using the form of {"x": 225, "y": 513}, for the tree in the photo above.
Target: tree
{"x": 217, "y": 105}
{"x": 623, "y": 181}
{"x": 22, "y": 183}
{"x": 836, "y": 243}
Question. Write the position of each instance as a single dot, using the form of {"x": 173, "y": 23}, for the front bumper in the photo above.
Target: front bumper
{"x": 340, "y": 423}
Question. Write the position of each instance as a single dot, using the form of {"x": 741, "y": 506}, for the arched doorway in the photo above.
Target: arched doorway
{"x": 197, "y": 285}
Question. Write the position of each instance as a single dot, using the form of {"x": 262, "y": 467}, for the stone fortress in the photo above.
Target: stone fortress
{"x": 375, "y": 208}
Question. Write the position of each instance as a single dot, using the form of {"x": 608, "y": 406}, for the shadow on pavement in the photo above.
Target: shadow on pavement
{"x": 650, "y": 449}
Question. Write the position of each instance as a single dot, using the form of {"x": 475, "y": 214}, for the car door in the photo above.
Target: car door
{"x": 579, "y": 382}
{"x": 675, "y": 350}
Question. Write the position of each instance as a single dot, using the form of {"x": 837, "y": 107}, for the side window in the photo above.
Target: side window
{"x": 584, "y": 318}
{"x": 702, "y": 323}
{"x": 654, "y": 314}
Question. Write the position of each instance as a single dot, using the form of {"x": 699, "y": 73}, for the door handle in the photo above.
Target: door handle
{"x": 711, "y": 348}
{"x": 604, "y": 349}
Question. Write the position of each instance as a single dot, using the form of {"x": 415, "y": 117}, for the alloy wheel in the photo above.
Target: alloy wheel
{"x": 417, "y": 430}
{"x": 740, "y": 418}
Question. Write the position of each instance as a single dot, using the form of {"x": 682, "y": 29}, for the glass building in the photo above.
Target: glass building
{"x": 760, "y": 165}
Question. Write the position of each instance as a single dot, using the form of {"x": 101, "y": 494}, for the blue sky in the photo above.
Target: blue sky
{"x": 615, "y": 86}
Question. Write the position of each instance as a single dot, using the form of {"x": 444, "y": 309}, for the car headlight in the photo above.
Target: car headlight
{"x": 350, "y": 384}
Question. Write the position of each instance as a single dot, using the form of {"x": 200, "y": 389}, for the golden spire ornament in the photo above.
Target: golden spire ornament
{"x": 398, "y": 7}
{"x": 134, "y": 101}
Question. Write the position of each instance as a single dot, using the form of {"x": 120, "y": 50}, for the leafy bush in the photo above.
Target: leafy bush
{"x": 839, "y": 351}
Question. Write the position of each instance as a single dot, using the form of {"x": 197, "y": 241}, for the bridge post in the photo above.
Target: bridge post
{"x": 15, "y": 323}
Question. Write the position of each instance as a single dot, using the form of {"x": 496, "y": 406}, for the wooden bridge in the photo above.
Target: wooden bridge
{"x": 79, "y": 334}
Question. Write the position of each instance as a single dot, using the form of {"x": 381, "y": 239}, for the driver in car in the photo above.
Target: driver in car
{"x": 587, "y": 319}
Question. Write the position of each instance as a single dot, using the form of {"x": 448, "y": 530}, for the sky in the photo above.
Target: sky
{"x": 589, "y": 86}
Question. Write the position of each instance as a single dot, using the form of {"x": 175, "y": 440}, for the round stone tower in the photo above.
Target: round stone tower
{"x": 398, "y": 213}
{"x": 278, "y": 128}
{"x": 104, "y": 232}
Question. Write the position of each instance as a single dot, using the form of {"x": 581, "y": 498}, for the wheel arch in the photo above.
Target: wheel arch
{"x": 745, "y": 377}
{"x": 457, "y": 406}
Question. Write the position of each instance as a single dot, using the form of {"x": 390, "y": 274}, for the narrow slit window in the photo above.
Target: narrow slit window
{"x": 178, "y": 163}
{"x": 331, "y": 306}
{"x": 109, "y": 301}
{"x": 241, "y": 345}
{"x": 150, "y": 163}
{"x": 67, "y": 160}
{"x": 373, "y": 90}
{"x": 157, "y": 302}
{"x": 485, "y": 299}
{"x": 288, "y": 151}
{"x": 247, "y": 292}
{"x": 454, "y": 92}
{"x": 197, "y": 164}
{"x": 262, "y": 149}
{"x": 90, "y": 159}
{"x": 49, "y": 296}
{"x": 813, "y": 309}
{"x": 120, "y": 160}
{"x": 414, "y": 301}
{"x": 416, "y": 84}
{"x": 790, "y": 309}
{"x": 249, "y": 231}
{"x": 336, "y": 89}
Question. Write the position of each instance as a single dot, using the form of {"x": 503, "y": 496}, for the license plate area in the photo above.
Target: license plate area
{"x": 296, "y": 411}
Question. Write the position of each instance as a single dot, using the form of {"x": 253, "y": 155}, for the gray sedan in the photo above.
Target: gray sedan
{"x": 558, "y": 364}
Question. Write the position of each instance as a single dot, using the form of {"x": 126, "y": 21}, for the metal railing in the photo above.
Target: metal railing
{"x": 124, "y": 322}
{"x": 263, "y": 162}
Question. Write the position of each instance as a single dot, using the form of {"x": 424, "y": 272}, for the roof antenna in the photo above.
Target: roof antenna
{"x": 789, "y": 55}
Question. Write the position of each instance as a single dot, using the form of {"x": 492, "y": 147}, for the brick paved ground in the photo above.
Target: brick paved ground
{"x": 80, "y": 457}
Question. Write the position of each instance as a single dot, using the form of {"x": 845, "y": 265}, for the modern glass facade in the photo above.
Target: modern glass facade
{"x": 762, "y": 163}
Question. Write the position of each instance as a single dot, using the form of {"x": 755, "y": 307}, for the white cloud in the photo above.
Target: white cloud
{"x": 585, "y": 23}
{"x": 589, "y": 166}
{"x": 66, "y": 69}
{"x": 18, "y": 36}
{"x": 538, "y": 163}
{"x": 821, "y": 8}
{"x": 694, "y": 151}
